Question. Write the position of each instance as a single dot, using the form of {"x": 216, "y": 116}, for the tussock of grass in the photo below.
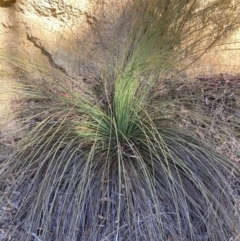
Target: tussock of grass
{"x": 119, "y": 167}
{"x": 89, "y": 171}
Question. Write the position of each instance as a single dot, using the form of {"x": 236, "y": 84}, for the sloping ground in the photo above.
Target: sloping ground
{"x": 218, "y": 97}
{"x": 221, "y": 97}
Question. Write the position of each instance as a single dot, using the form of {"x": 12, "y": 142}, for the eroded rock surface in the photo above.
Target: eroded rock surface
{"x": 54, "y": 32}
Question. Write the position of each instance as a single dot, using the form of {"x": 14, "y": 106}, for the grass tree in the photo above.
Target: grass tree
{"x": 119, "y": 167}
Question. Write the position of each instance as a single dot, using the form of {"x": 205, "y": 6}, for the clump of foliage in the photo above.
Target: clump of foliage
{"x": 119, "y": 167}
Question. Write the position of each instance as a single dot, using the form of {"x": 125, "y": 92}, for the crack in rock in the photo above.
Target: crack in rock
{"x": 37, "y": 43}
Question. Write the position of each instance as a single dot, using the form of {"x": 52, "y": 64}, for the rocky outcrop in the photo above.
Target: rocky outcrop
{"x": 54, "y": 32}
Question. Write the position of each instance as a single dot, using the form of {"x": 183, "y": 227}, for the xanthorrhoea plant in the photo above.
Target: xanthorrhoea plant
{"x": 118, "y": 168}
{"x": 115, "y": 171}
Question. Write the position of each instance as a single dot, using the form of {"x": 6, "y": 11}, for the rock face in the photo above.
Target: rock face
{"x": 55, "y": 32}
